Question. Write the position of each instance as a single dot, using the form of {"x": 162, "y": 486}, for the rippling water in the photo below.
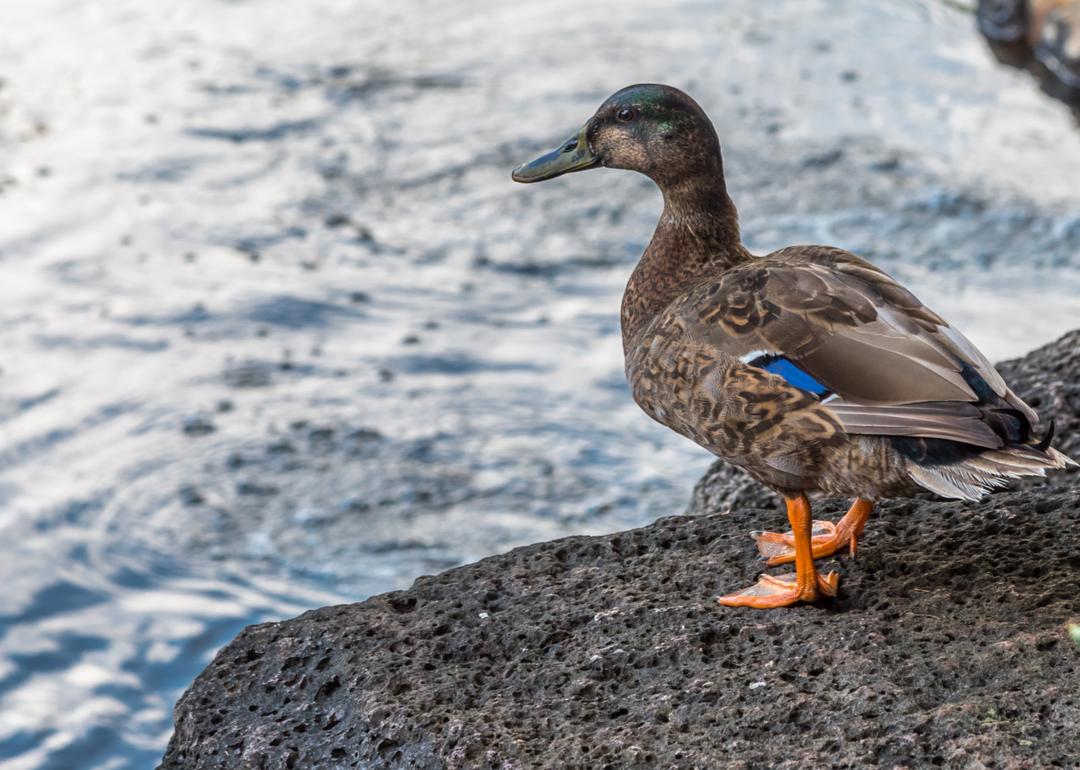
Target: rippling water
{"x": 278, "y": 331}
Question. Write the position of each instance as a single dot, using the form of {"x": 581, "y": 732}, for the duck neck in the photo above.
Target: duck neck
{"x": 697, "y": 236}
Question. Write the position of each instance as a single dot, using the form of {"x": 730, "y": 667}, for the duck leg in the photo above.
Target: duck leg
{"x": 828, "y": 538}
{"x": 805, "y": 585}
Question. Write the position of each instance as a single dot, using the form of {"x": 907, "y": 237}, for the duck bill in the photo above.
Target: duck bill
{"x": 572, "y": 155}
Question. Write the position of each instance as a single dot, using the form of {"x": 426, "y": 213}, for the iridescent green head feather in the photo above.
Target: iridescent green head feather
{"x": 654, "y": 129}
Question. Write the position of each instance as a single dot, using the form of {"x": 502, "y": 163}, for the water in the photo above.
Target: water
{"x": 278, "y": 331}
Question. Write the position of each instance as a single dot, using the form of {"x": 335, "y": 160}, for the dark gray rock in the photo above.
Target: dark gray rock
{"x": 947, "y": 646}
{"x": 1049, "y": 380}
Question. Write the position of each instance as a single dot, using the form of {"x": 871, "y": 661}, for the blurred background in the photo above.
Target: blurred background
{"x": 278, "y": 331}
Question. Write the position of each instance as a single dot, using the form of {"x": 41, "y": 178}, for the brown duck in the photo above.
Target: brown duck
{"x": 1049, "y": 29}
{"x": 809, "y": 368}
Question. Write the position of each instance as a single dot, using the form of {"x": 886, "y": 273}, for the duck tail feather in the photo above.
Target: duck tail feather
{"x": 1053, "y": 457}
{"x": 1061, "y": 460}
{"x": 947, "y": 482}
{"x": 981, "y": 473}
{"x": 1044, "y": 442}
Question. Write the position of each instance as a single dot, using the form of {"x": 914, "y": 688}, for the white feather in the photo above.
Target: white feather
{"x": 748, "y": 357}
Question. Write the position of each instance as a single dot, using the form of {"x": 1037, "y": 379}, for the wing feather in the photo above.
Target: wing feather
{"x": 896, "y": 367}
{"x": 922, "y": 420}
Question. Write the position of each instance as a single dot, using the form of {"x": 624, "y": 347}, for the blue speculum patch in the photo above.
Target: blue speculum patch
{"x": 792, "y": 373}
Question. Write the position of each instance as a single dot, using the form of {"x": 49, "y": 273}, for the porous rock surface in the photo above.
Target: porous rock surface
{"x": 946, "y": 647}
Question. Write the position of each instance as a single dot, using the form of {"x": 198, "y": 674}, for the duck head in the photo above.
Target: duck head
{"x": 654, "y": 129}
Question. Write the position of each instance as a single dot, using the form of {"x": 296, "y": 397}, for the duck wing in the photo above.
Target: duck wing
{"x": 832, "y": 323}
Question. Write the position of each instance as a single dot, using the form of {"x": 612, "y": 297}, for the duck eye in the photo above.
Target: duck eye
{"x": 625, "y": 115}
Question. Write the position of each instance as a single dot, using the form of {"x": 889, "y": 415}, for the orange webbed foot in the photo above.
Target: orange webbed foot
{"x": 779, "y": 547}
{"x": 805, "y": 585}
{"x": 781, "y": 591}
{"x": 827, "y": 538}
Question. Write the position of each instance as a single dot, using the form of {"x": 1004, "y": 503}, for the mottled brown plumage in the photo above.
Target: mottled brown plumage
{"x": 809, "y": 368}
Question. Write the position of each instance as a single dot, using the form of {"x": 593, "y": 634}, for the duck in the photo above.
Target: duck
{"x": 1058, "y": 46}
{"x": 1014, "y": 21}
{"x": 812, "y": 370}
{"x": 1047, "y": 29}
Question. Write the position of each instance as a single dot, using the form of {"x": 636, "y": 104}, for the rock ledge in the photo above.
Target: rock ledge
{"x": 947, "y": 646}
